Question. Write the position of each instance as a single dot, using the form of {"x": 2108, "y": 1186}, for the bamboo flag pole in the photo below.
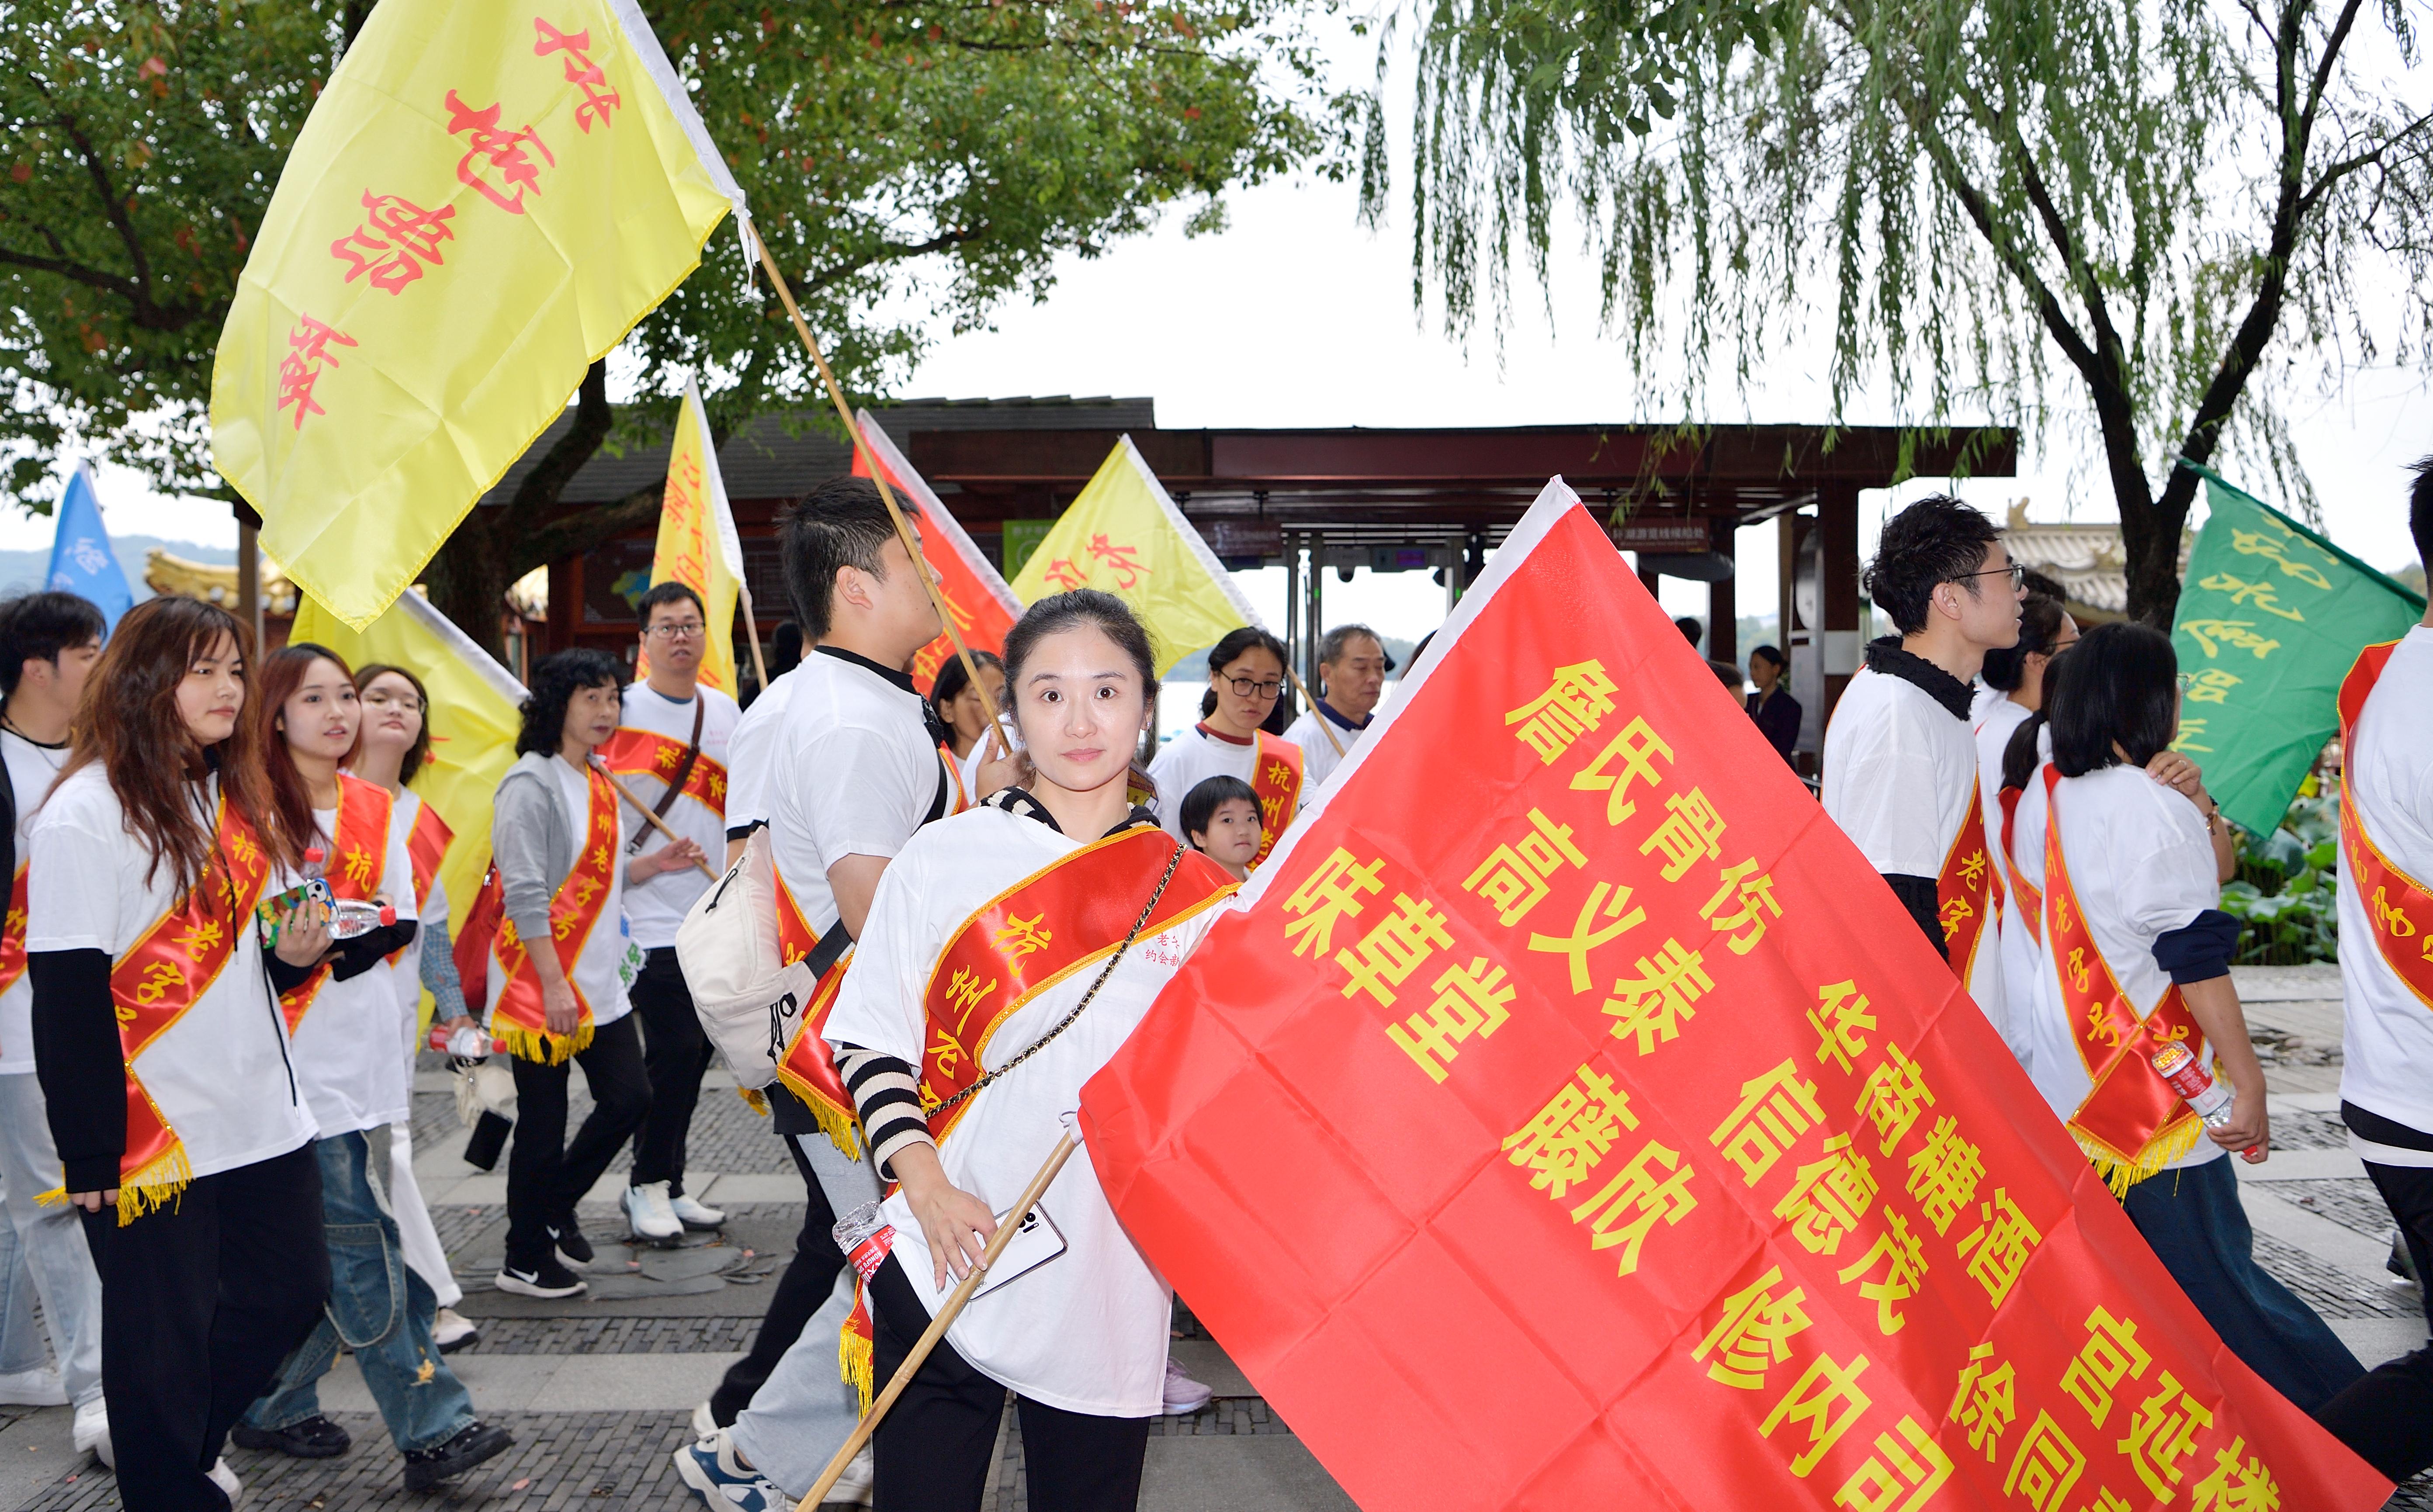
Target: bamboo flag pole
{"x": 877, "y": 475}
{"x": 751, "y": 629}
{"x": 937, "y": 1329}
{"x": 656, "y": 822}
{"x": 1323, "y": 722}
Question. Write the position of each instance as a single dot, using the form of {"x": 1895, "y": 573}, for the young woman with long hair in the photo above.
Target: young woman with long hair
{"x": 2016, "y": 679}
{"x": 2137, "y": 956}
{"x": 1246, "y": 676}
{"x": 956, "y": 707}
{"x": 391, "y": 749}
{"x": 341, "y": 1020}
{"x": 1082, "y": 1338}
{"x": 182, "y": 1131}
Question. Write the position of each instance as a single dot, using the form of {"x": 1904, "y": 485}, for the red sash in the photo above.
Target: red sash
{"x": 2031, "y": 902}
{"x": 2401, "y": 907}
{"x": 426, "y": 846}
{"x": 12, "y": 937}
{"x": 1275, "y": 776}
{"x": 807, "y": 1068}
{"x": 2131, "y": 1124}
{"x": 517, "y": 1018}
{"x": 638, "y": 752}
{"x": 167, "y": 971}
{"x": 955, "y": 778}
{"x": 1965, "y": 890}
{"x": 358, "y": 854}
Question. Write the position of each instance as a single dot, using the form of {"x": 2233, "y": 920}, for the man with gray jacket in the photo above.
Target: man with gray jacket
{"x": 565, "y": 997}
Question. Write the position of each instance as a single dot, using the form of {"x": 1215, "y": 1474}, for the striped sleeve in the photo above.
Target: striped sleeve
{"x": 888, "y": 1101}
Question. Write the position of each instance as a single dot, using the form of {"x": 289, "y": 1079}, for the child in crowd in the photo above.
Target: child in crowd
{"x": 1220, "y": 816}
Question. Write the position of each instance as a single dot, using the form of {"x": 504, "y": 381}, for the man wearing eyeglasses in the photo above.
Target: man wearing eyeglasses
{"x": 670, "y": 752}
{"x": 1900, "y": 767}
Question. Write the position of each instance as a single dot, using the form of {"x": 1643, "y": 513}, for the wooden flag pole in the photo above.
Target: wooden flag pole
{"x": 938, "y": 1325}
{"x": 1323, "y": 722}
{"x": 656, "y": 822}
{"x": 877, "y": 475}
{"x": 752, "y": 630}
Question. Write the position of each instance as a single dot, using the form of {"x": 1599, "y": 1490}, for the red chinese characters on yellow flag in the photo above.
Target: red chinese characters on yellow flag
{"x": 984, "y": 608}
{"x": 1599, "y": 1131}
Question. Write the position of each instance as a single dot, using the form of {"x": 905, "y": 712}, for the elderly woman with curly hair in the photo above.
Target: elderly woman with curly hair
{"x": 560, "y": 965}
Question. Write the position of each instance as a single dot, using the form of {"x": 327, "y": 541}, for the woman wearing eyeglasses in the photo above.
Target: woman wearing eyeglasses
{"x": 1246, "y": 672}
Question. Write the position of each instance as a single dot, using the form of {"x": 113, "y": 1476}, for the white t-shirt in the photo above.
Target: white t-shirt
{"x": 219, "y": 1074}
{"x": 2023, "y": 957}
{"x": 748, "y": 751}
{"x": 2142, "y": 865}
{"x": 1899, "y": 770}
{"x": 344, "y": 1049}
{"x": 1995, "y": 720}
{"x": 1193, "y": 756}
{"x": 853, "y": 772}
{"x": 658, "y": 905}
{"x": 2388, "y": 1043}
{"x": 1087, "y": 1331}
{"x": 1317, "y": 758}
{"x": 32, "y": 769}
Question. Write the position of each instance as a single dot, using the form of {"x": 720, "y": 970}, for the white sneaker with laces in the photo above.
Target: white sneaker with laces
{"x": 230, "y": 1486}
{"x": 712, "y": 1471}
{"x": 648, "y": 1212}
{"x": 1184, "y": 1396}
{"x": 91, "y": 1432}
{"x": 38, "y": 1387}
{"x": 694, "y": 1215}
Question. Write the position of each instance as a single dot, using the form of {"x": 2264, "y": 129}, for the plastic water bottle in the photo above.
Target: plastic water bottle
{"x": 471, "y": 1043}
{"x": 2208, "y": 1098}
{"x": 350, "y": 919}
{"x": 865, "y": 1238}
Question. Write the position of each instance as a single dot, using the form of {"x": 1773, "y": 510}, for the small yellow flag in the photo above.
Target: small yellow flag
{"x": 1124, "y": 535}
{"x": 695, "y": 529}
{"x": 474, "y": 719}
{"x": 487, "y": 196}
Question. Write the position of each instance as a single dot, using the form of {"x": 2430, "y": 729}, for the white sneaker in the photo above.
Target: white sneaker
{"x": 1184, "y": 1396}
{"x": 33, "y": 1388}
{"x": 649, "y": 1214}
{"x": 712, "y": 1471}
{"x": 91, "y": 1432}
{"x": 693, "y": 1216}
{"x": 854, "y": 1486}
{"x": 451, "y": 1331}
{"x": 230, "y": 1486}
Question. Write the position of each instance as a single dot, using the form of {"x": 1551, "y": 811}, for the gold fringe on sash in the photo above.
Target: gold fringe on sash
{"x": 157, "y": 1186}
{"x": 544, "y": 1048}
{"x": 755, "y": 1098}
{"x": 2120, "y": 1175}
{"x": 856, "y": 1358}
{"x": 844, "y": 1129}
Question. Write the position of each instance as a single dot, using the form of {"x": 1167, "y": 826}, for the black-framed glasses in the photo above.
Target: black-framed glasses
{"x": 686, "y": 629}
{"x": 1249, "y": 687}
{"x": 404, "y": 700}
{"x": 2017, "y": 572}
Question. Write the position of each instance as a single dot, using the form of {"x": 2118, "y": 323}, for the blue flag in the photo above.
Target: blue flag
{"x": 81, "y": 560}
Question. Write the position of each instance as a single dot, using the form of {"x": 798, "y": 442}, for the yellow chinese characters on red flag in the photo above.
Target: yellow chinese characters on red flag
{"x": 486, "y": 198}
{"x": 1566, "y": 1115}
{"x": 690, "y": 549}
{"x": 984, "y": 608}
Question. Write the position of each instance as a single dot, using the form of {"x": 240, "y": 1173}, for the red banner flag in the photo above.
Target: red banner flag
{"x": 1566, "y": 1115}
{"x": 984, "y": 608}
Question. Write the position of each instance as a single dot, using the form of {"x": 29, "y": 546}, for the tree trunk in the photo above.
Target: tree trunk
{"x": 468, "y": 582}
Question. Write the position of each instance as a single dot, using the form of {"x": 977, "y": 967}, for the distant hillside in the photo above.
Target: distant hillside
{"x": 23, "y": 571}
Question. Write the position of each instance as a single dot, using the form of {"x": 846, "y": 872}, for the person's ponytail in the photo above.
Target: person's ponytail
{"x": 2019, "y": 759}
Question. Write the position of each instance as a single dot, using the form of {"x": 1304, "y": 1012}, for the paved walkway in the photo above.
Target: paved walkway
{"x": 598, "y": 1390}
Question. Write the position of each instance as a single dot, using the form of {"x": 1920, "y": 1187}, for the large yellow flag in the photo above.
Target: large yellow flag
{"x": 474, "y": 719}
{"x": 698, "y": 546}
{"x": 486, "y": 198}
{"x": 1123, "y": 535}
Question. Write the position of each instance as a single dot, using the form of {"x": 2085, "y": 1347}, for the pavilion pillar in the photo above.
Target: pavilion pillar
{"x": 1723, "y": 614}
{"x": 565, "y": 603}
{"x": 1314, "y": 617}
{"x": 1837, "y": 525}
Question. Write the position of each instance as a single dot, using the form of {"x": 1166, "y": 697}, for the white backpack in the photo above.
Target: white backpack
{"x": 750, "y": 1005}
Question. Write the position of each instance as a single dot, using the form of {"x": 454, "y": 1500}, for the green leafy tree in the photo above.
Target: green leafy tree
{"x": 912, "y": 165}
{"x": 2153, "y": 192}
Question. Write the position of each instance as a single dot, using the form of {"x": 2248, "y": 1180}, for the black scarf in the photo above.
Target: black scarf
{"x": 1885, "y": 656}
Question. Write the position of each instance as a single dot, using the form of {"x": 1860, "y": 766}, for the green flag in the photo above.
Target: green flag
{"x": 2271, "y": 619}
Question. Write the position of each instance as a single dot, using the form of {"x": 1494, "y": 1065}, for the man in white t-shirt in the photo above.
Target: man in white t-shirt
{"x": 1900, "y": 769}
{"x": 670, "y": 751}
{"x": 2387, "y": 988}
{"x": 844, "y": 770}
{"x": 1351, "y": 668}
{"x": 48, "y": 643}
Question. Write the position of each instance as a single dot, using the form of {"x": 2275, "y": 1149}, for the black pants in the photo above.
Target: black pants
{"x": 808, "y": 1279}
{"x": 933, "y": 1445}
{"x": 2387, "y": 1416}
{"x": 200, "y": 1301}
{"x": 675, "y": 1053}
{"x": 546, "y": 1176}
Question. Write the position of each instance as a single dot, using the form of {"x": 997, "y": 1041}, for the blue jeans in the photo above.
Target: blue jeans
{"x": 378, "y": 1308}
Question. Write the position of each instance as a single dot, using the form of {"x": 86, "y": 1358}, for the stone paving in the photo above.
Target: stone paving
{"x": 2320, "y": 1227}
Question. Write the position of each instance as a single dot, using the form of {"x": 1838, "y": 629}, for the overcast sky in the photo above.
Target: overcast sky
{"x": 1296, "y": 316}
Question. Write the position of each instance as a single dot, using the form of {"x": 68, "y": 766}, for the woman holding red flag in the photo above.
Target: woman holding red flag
{"x": 1036, "y": 930}
{"x": 340, "y": 1020}
{"x": 2136, "y": 960}
{"x": 162, "y": 1055}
